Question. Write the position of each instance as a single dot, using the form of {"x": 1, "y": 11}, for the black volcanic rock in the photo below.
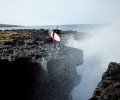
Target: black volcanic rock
{"x": 28, "y": 80}
{"x": 109, "y": 87}
{"x": 33, "y": 69}
{"x": 62, "y": 72}
{"x": 21, "y": 79}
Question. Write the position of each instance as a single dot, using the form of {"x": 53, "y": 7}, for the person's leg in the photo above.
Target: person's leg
{"x": 53, "y": 34}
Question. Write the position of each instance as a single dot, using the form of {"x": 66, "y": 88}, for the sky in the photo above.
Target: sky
{"x": 58, "y": 12}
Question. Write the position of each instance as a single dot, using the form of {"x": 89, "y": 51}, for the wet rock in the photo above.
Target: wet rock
{"x": 109, "y": 87}
{"x": 62, "y": 72}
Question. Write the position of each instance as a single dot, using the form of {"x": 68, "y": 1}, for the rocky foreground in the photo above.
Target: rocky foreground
{"x": 33, "y": 67}
{"x": 109, "y": 87}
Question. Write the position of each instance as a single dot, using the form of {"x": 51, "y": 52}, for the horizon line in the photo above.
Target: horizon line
{"x": 56, "y": 24}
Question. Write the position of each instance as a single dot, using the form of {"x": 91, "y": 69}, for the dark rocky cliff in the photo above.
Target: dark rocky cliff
{"x": 32, "y": 69}
{"x": 109, "y": 87}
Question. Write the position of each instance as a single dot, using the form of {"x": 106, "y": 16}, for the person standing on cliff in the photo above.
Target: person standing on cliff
{"x": 58, "y": 32}
{"x": 56, "y": 38}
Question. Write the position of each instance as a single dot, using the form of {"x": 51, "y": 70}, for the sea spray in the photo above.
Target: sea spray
{"x": 100, "y": 48}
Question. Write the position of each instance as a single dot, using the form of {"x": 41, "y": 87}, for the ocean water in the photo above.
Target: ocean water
{"x": 99, "y": 48}
{"x": 74, "y": 27}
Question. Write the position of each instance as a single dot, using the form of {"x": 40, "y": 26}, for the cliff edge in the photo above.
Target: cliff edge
{"x": 33, "y": 69}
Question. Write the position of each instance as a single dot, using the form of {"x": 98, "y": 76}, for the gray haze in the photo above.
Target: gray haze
{"x": 100, "y": 48}
{"x": 55, "y": 12}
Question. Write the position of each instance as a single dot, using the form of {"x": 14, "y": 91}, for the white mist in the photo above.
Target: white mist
{"x": 100, "y": 48}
